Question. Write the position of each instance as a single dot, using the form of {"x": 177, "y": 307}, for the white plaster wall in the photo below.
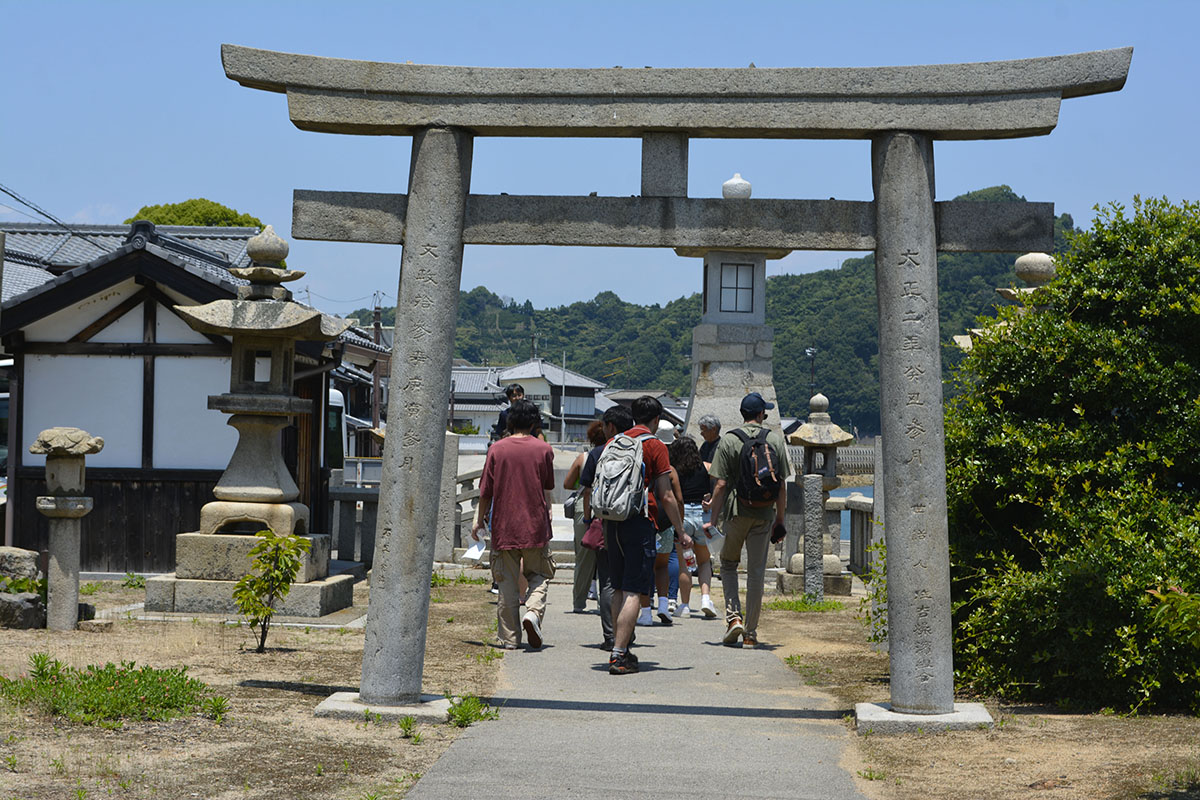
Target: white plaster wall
{"x": 101, "y": 394}
{"x": 170, "y": 329}
{"x": 187, "y": 435}
{"x": 62, "y": 325}
{"x": 129, "y": 328}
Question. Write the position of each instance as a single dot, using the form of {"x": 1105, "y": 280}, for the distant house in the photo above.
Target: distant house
{"x": 476, "y": 397}
{"x": 674, "y": 409}
{"x": 98, "y": 346}
{"x": 565, "y": 396}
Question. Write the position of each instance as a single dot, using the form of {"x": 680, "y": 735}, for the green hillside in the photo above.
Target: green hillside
{"x": 634, "y": 346}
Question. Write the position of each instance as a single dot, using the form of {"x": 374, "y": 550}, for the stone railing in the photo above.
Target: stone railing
{"x": 852, "y": 460}
{"x": 863, "y": 532}
{"x": 467, "y": 493}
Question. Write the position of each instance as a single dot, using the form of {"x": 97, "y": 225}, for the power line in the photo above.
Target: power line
{"x": 30, "y": 204}
{"x": 17, "y": 211}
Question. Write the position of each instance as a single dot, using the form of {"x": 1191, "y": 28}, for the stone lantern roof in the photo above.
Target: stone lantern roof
{"x": 264, "y": 307}
{"x": 820, "y": 431}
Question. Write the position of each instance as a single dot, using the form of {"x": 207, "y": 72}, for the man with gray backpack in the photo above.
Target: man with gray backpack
{"x": 751, "y": 461}
{"x": 632, "y": 480}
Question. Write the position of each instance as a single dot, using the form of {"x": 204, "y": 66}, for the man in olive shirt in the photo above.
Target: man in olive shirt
{"x": 748, "y": 525}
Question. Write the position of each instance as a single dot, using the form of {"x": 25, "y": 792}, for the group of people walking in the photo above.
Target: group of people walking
{"x": 698, "y": 502}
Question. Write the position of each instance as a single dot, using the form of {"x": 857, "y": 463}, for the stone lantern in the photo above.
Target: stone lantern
{"x": 821, "y": 438}
{"x": 732, "y": 347}
{"x": 820, "y": 563}
{"x": 1036, "y": 269}
{"x": 264, "y": 324}
{"x": 256, "y": 490}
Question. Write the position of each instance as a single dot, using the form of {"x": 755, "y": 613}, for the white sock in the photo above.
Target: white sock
{"x": 705, "y": 599}
{"x": 662, "y": 605}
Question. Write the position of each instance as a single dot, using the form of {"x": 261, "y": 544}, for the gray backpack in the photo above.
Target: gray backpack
{"x": 619, "y": 488}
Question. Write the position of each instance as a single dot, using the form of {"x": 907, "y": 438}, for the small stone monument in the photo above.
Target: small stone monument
{"x": 818, "y": 569}
{"x": 256, "y": 489}
{"x": 65, "y": 505}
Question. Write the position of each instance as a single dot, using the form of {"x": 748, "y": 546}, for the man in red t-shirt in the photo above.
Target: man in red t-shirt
{"x": 631, "y": 545}
{"x": 516, "y": 475}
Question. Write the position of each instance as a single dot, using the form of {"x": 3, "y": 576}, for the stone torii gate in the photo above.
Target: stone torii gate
{"x": 901, "y": 110}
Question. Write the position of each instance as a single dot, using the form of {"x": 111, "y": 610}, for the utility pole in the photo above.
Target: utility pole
{"x": 811, "y": 352}
{"x": 562, "y": 401}
{"x": 376, "y": 389}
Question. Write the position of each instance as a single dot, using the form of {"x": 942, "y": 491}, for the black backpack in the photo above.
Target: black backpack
{"x": 758, "y": 480}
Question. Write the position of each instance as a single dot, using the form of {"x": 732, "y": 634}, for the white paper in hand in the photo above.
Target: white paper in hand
{"x": 475, "y": 551}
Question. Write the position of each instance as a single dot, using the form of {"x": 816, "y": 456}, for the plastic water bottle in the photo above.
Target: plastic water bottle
{"x": 689, "y": 560}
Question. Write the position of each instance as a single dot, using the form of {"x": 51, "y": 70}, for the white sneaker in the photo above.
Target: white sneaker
{"x": 645, "y": 617}
{"x": 683, "y": 611}
{"x": 671, "y": 605}
{"x": 533, "y": 630}
{"x": 706, "y": 606}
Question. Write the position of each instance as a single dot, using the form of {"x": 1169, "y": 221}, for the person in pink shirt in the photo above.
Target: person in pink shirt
{"x": 518, "y": 472}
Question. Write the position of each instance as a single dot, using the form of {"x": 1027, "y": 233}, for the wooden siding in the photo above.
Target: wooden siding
{"x": 135, "y": 519}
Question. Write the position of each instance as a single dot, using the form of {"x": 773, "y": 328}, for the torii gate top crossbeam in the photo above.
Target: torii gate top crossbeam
{"x": 985, "y": 100}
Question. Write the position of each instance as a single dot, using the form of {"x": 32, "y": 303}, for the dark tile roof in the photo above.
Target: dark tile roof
{"x": 49, "y": 246}
{"x": 39, "y": 257}
{"x": 20, "y": 278}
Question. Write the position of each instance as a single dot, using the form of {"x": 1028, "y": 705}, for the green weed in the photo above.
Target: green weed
{"x": 489, "y": 655}
{"x": 215, "y": 708}
{"x": 871, "y": 774}
{"x": 89, "y": 588}
{"x": 408, "y": 724}
{"x": 468, "y": 709}
{"x": 804, "y": 603}
{"x": 134, "y": 581}
{"x": 105, "y": 695}
{"x": 439, "y": 579}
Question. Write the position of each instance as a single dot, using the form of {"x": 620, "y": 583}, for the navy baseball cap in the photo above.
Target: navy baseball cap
{"x": 754, "y": 404}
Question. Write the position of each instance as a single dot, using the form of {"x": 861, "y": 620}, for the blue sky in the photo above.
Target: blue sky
{"x": 105, "y": 107}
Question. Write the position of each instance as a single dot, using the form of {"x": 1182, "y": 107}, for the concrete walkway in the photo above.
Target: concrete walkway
{"x": 699, "y": 721}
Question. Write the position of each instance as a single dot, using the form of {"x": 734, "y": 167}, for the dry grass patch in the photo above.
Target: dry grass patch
{"x": 269, "y": 744}
{"x": 1032, "y": 751}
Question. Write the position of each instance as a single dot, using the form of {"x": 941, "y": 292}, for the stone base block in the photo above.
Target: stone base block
{"x": 837, "y": 585}
{"x": 283, "y": 518}
{"x": 346, "y": 705}
{"x": 96, "y": 625}
{"x": 169, "y": 593}
{"x": 160, "y": 593}
{"x": 830, "y": 564}
{"x": 226, "y": 557}
{"x": 878, "y": 718}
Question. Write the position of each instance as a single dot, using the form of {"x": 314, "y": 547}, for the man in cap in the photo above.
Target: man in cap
{"x": 750, "y": 522}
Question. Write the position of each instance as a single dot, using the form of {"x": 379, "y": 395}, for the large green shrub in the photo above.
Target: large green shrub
{"x": 1072, "y": 469}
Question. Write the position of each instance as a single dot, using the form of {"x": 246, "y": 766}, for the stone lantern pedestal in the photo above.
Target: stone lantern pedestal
{"x": 256, "y": 490}
{"x": 813, "y": 556}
